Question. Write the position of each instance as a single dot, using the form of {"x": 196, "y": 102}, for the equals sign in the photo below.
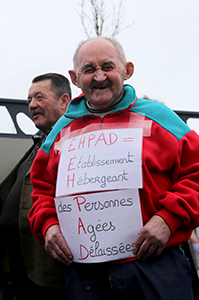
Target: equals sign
{"x": 129, "y": 139}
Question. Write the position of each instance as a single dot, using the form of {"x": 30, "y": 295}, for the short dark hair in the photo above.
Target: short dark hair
{"x": 59, "y": 83}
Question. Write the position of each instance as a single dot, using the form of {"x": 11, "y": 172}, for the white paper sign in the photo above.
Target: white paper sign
{"x": 100, "y": 227}
{"x": 101, "y": 160}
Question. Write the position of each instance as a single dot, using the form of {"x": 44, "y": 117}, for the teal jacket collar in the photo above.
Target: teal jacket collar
{"x": 77, "y": 107}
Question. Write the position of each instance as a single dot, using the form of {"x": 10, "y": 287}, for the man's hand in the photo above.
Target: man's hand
{"x": 56, "y": 246}
{"x": 152, "y": 238}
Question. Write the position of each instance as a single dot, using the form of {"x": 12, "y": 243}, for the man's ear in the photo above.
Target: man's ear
{"x": 64, "y": 100}
{"x": 129, "y": 70}
{"x": 73, "y": 78}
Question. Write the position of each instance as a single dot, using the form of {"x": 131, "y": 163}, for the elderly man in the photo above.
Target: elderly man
{"x": 165, "y": 183}
{"x": 33, "y": 272}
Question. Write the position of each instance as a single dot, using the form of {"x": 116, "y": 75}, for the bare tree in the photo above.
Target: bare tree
{"x": 98, "y": 18}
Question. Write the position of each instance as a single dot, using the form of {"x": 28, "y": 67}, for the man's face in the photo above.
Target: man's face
{"x": 44, "y": 108}
{"x": 100, "y": 73}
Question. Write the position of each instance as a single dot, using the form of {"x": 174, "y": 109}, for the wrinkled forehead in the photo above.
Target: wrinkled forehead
{"x": 97, "y": 51}
{"x": 40, "y": 86}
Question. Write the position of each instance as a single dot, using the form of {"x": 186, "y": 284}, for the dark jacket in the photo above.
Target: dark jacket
{"x": 40, "y": 267}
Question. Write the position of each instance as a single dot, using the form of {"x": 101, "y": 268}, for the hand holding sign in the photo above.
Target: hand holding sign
{"x": 56, "y": 246}
{"x": 152, "y": 238}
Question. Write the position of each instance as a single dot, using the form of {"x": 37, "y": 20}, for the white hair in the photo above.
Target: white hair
{"x": 114, "y": 42}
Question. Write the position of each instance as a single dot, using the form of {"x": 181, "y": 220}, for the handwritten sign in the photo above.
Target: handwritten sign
{"x": 101, "y": 160}
{"x": 100, "y": 227}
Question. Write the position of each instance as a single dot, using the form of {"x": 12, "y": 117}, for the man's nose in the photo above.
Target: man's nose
{"x": 33, "y": 103}
{"x": 100, "y": 75}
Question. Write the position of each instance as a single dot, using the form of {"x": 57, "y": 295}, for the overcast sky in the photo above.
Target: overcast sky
{"x": 39, "y": 36}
